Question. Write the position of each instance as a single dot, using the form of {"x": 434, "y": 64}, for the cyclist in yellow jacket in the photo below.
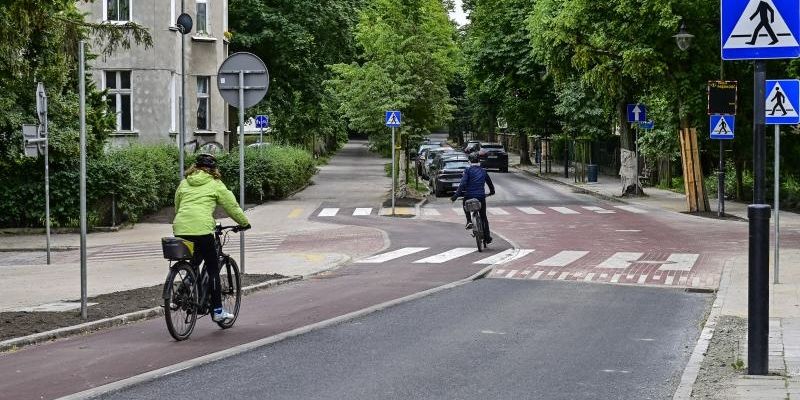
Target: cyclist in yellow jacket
{"x": 195, "y": 201}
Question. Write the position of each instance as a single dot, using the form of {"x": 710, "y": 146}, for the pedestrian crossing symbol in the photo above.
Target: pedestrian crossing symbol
{"x": 760, "y": 29}
{"x": 783, "y": 97}
{"x": 393, "y": 119}
{"x": 722, "y": 127}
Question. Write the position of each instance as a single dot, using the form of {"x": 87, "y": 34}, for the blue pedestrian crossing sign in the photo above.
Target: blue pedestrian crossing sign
{"x": 262, "y": 121}
{"x": 393, "y": 119}
{"x": 783, "y": 98}
{"x": 760, "y": 29}
{"x": 637, "y": 113}
{"x": 722, "y": 126}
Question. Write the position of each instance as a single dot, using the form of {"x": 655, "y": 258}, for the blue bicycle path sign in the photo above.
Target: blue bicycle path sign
{"x": 760, "y": 29}
{"x": 262, "y": 121}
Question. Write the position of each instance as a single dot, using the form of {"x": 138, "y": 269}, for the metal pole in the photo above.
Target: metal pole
{"x": 636, "y": 175}
{"x": 759, "y": 215}
{"x": 82, "y": 90}
{"x": 47, "y": 183}
{"x": 777, "y": 168}
{"x": 394, "y": 172}
{"x": 241, "y": 161}
{"x": 261, "y": 137}
{"x": 182, "y": 133}
{"x": 721, "y": 181}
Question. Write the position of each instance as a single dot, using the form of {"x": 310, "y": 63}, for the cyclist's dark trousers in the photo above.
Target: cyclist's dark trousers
{"x": 205, "y": 249}
{"x": 468, "y": 214}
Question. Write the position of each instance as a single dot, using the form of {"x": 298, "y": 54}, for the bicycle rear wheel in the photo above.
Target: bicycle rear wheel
{"x": 231, "y": 291}
{"x": 477, "y": 230}
{"x": 180, "y": 301}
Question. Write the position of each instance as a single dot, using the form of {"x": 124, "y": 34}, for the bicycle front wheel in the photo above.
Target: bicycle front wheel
{"x": 180, "y": 301}
{"x": 231, "y": 290}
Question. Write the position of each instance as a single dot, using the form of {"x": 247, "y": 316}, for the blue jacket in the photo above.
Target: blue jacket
{"x": 473, "y": 181}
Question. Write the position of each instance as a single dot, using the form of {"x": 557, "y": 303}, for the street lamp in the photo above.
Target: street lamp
{"x": 184, "y": 24}
{"x": 683, "y": 38}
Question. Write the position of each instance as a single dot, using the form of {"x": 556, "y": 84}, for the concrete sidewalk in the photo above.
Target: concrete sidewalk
{"x": 784, "y": 342}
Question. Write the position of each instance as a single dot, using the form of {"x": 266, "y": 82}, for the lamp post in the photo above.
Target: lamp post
{"x": 184, "y": 24}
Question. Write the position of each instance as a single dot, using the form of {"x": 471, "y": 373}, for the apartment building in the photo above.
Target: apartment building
{"x": 144, "y": 84}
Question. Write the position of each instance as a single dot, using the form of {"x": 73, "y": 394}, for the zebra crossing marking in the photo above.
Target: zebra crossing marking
{"x": 430, "y": 212}
{"x": 599, "y": 210}
{"x": 537, "y": 274}
{"x": 511, "y": 274}
{"x": 328, "y": 212}
{"x": 459, "y": 211}
{"x": 505, "y": 257}
{"x": 530, "y": 210}
{"x": 564, "y": 210}
{"x": 447, "y": 255}
{"x": 362, "y": 211}
{"x": 380, "y": 258}
{"x": 620, "y": 260}
{"x": 496, "y": 211}
{"x": 632, "y": 209}
{"x": 562, "y": 259}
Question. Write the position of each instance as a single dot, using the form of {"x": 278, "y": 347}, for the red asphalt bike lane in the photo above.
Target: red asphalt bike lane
{"x": 79, "y": 363}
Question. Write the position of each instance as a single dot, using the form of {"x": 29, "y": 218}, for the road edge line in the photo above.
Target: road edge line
{"x": 15, "y": 344}
{"x": 233, "y": 351}
{"x": 692, "y": 369}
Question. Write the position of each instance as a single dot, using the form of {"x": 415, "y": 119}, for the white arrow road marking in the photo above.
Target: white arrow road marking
{"x": 562, "y": 259}
{"x": 380, "y": 258}
{"x": 505, "y": 256}
{"x": 447, "y": 255}
{"x": 621, "y": 260}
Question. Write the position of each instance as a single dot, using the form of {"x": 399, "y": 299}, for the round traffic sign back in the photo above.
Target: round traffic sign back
{"x": 256, "y": 79}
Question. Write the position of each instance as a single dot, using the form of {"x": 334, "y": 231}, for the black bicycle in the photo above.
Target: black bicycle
{"x": 473, "y": 206}
{"x": 183, "y": 298}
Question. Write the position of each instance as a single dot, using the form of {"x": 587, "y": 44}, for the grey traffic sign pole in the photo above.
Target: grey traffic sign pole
{"x": 721, "y": 181}
{"x": 394, "y": 172}
{"x": 241, "y": 160}
{"x": 777, "y": 203}
{"x": 41, "y": 103}
{"x": 184, "y": 24}
{"x": 82, "y": 90}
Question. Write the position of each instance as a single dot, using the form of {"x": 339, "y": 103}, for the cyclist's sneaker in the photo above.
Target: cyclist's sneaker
{"x": 468, "y": 226}
{"x": 220, "y": 315}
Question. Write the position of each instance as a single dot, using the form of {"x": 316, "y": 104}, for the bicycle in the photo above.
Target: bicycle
{"x": 183, "y": 299}
{"x": 474, "y": 206}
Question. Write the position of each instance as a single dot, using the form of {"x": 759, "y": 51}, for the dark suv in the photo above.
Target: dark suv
{"x": 493, "y": 155}
{"x": 446, "y": 173}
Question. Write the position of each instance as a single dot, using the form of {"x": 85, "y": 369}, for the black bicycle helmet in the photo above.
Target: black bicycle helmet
{"x": 206, "y": 160}
{"x": 473, "y": 157}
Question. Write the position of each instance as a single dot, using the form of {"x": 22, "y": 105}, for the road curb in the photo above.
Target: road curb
{"x": 209, "y": 358}
{"x": 692, "y": 370}
{"x": 579, "y": 189}
{"x": 60, "y": 333}
{"x": 35, "y": 249}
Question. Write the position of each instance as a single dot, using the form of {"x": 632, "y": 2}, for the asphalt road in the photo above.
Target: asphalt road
{"x": 492, "y": 339}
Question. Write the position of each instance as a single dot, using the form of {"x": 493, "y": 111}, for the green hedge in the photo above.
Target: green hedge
{"x": 139, "y": 180}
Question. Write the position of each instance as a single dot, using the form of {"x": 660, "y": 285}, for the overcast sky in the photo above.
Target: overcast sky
{"x": 458, "y": 15}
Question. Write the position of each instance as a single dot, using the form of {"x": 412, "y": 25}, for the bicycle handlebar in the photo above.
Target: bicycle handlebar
{"x": 234, "y": 228}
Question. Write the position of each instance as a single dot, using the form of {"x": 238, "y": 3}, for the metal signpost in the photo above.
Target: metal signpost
{"x": 35, "y": 142}
{"x": 758, "y": 30}
{"x": 637, "y": 113}
{"x": 722, "y": 99}
{"x": 262, "y": 121}
{"x": 82, "y": 94}
{"x": 184, "y": 24}
{"x": 393, "y": 119}
{"x": 783, "y": 98}
{"x": 242, "y": 80}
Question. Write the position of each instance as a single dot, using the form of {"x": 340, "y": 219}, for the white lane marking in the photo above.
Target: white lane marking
{"x": 563, "y": 276}
{"x": 615, "y": 278}
{"x": 564, "y": 210}
{"x": 599, "y": 210}
{"x": 362, "y": 211}
{"x": 525, "y": 272}
{"x": 620, "y": 260}
{"x": 505, "y": 256}
{"x": 496, "y": 211}
{"x": 328, "y": 212}
{"x": 380, "y": 258}
{"x": 628, "y": 230}
{"x": 530, "y": 210}
{"x": 589, "y": 277}
{"x": 447, "y": 255}
{"x": 562, "y": 259}
{"x": 669, "y": 280}
{"x": 679, "y": 262}
{"x": 682, "y": 280}
{"x": 551, "y": 273}
{"x": 603, "y": 276}
{"x": 632, "y": 209}
{"x": 537, "y": 274}
{"x": 431, "y": 211}
{"x": 511, "y": 274}
{"x": 500, "y": 271}
{"x": 642, "y": 279}
{"x": 459, "y": 211}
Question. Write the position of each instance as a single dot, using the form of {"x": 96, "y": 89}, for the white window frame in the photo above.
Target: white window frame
{"x": 207, "y": 31}
{"x": 207, "y": 97}
{"x": 173, "y": 18}
{"x": 105, "y": 13}
{"x": 118, "y": 92}
{"x": 224, "y": 16}
{"x": 173, "y": 103}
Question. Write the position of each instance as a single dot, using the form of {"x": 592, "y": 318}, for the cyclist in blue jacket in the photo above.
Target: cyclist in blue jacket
{"x": 472, "y": 187}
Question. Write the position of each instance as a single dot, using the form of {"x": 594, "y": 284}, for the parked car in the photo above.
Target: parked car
{"x": 430, "y": 154}
{"x": 493, "y": 155}
{"x": 419, "y": 158}
{"x": 448, "y": 174}
{"x": 471, "y": 146}
{"x": 437, "y": 162}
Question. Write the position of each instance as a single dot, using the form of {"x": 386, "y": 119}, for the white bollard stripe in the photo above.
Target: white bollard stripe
{"x": 564, "y": 210}
{"x": 362, "y": 211}
{"x": 447, "y": 255}
{"x": 620, "y": 260}
{"x": 328, "y": 212}
{"x": 562, "y": 259}
{"x": 505, "y": 256}
{"x": 380, "y": 258}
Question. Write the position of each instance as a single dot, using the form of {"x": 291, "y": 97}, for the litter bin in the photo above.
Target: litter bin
{"x": 591, "y": 172}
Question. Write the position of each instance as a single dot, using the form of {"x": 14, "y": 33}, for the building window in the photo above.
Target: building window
{"x": 118, "y": 84}
{"x": 203, "y": 106}
{"x": 118, "y": 10}
{"x": 202, "y": 17}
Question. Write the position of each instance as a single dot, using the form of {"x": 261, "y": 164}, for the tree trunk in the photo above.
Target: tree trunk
{"x": 524, "y": 155}
{"x": 626, "y": 142}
